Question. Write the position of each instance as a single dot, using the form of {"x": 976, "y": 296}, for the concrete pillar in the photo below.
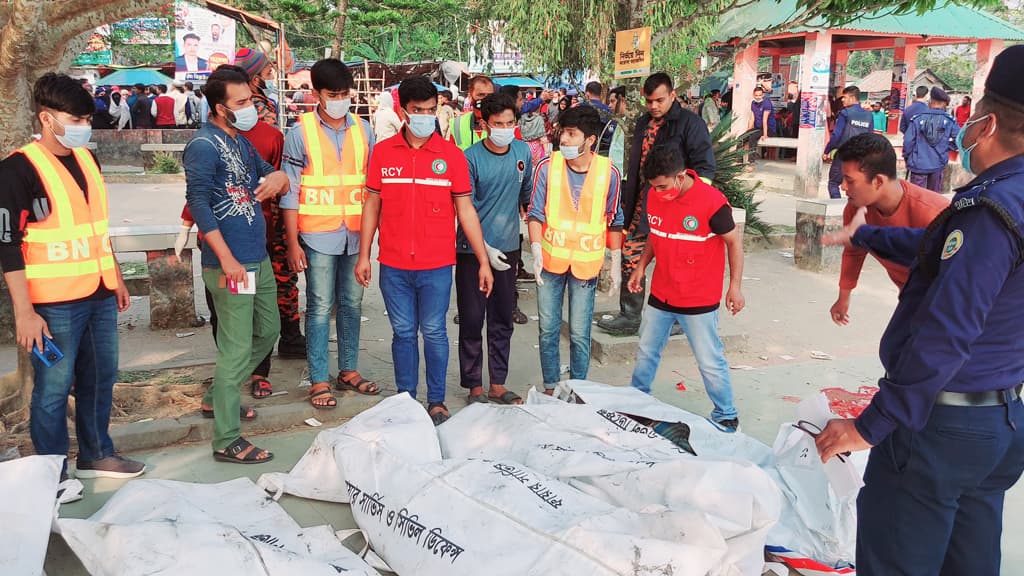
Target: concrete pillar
{"x": 904, "y": 68}
{"x": 814, "y": 80}
{"x": 987, "y": 52}
{"x": 814, "y": 219}
{"x": 744, "y": 79}
{"x": 838, "y": 68}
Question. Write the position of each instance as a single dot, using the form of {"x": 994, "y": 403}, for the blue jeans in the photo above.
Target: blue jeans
{"x": 932, "y": 501}
{"x": 417, "y": 302}
{"x": 330, "y": 283}
{"x": 702, "y": 333}
{"x": 581, "y": 314}
{"x": 86, "y": 333}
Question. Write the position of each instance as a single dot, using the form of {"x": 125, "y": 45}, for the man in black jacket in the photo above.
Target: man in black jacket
{"x": 665, "y": 123}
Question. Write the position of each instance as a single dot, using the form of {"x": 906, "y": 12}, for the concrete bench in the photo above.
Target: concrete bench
{"x": 149, "y": 147}
{"x": 814, "y": 219}
{"x": 170, "y": 283}
{"x": 778, "y": 142}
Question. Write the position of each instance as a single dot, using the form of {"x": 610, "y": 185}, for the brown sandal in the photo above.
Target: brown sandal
{"x": 321, "y": 391}
{"x": 355, "y": 382}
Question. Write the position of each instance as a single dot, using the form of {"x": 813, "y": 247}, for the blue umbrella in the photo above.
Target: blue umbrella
{"x": 131, "y": 76}
{"x": 440, "y": 88}
{"x": 520, "y": 81}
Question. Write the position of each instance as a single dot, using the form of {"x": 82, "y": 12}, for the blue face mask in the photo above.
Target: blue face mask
{"x": 244, "y": 119}
{"x": 74, "y": 136}
{"x": 421, "y": 125}
{"x": 571, "y": 152}
{"x": 502, "y": 137}
{"x": 965, "y": 153}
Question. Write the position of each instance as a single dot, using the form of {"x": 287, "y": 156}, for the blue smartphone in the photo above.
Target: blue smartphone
{"x": 50, "y": 354}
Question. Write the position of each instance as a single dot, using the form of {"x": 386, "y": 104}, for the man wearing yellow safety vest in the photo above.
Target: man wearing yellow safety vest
{"x": 64, "y": 281}
{"x": 574, "y": 214}
{"x": 325, "y": 157}
{"x": 470, "y": 128}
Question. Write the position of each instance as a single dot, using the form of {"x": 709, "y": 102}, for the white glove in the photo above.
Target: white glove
{"x": 181, "y": 240}
{"x": 498, "y": 259}
{"x": 616, "y": 272}
{"x": 538, "y": 261}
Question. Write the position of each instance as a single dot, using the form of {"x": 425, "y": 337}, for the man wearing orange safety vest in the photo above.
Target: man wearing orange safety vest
{"x": 574, "y": 214}
{"x": 64, "y": 281}
{"x": 325, "y": 158}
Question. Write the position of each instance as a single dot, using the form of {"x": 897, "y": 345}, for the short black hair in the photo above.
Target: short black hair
{"x": 479, "y": 79}
{"x": 663, "y": 161}
{"x": 331, "y": 74}
{"x": 62, "y": 93}
{"x": 496, "y": 104}
{"x": 1010, "y": 121}
{"x": 921, "y": 91}
{"x": 852, "y": 91}
{"x": 716, "y": 92}
{"x": 872, "y": 152}
{"x": 162, "y": 88}
{"x": 446, "y": 93}
{"x": 188, "y": 85}
{"x": 416, "y": 89}
{"x": 619, "y": 91}
{"x": 510, "y": 90}
{"x": 190, "y": 35}
{"x": 584, "y": 118}
{"x": 758, "y": 88}
{"x": 217, "y": 84}
{"x": 655, "y": 80}
{"x": 968, "y": 98}
{"x": 594, "y": 88}
{"x": 140, "y": 87}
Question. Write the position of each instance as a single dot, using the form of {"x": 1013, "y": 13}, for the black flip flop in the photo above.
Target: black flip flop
{"x": 260, "y": 388}
{"x": 508, "y": 398}
{"x": 477, "y": 399}
{"x": 243, "y": 412}
{"x": 230, "y": 454}
{"x": 438, "y": 418}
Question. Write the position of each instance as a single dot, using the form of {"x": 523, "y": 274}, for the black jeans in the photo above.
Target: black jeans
{"x": 474, "y": 309}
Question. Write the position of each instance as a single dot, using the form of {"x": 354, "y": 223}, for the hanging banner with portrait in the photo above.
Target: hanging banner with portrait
{"x": 203, "y": 40}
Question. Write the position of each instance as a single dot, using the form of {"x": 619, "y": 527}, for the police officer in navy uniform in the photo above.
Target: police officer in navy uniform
{"x": 946, "y": 429}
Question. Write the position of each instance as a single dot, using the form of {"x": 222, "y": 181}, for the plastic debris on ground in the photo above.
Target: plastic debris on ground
{"x": 819, "y": 355}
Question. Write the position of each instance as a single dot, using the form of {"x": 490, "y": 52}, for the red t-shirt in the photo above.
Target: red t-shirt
{"x": 416, "y": 188}
{"x": 689, "y": 253}
{"x": 165, "y": 111}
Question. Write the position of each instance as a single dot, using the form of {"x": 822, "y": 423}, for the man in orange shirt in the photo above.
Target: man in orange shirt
{"x": 878, "y": 197}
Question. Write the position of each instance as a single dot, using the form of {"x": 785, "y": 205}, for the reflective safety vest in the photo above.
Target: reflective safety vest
{"x": 68, "y": 253}
{"x": 575, "y": 236}
{"x": 331, "y": 192}
{"x": 464, "y": 134}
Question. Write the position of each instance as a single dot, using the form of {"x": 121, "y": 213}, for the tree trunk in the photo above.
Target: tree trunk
{"x": 34, "y": 39}
{"x": 339, "y": 29}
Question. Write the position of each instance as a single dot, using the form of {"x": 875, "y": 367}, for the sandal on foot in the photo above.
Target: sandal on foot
{"x": 234, "y": 450}
{"x": 260, "y": 387}
{"x": 477, "y": 399}
{"x": 439, "y": 417}
{"x": 356, "y": 383}
{"x": 244, "y": 412}
{"x": 509, "y": 397}
{"x": 320, "y": 391}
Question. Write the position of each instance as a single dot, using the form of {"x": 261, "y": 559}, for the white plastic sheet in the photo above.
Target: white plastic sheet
{"x": 29, "y": 486}
{"x": 814, "y": 525}
{"x": 427, "y": 516}
{"x": 162, "y": 527}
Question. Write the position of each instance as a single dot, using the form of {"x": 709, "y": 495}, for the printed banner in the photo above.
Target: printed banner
{"x": 633, "y": 52}
{"x": 142, "y": 31}
{"x": 97, "y": 50}
{"x": 812, "y": 110}
{"x": 203, "y": 40}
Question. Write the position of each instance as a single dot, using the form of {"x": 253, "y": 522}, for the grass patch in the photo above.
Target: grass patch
{"x": 164, "y": 163}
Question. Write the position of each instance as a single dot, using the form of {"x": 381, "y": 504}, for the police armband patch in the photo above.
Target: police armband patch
{"x": 952, "y": 245}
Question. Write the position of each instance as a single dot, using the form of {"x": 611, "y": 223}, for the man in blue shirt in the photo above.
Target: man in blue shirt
{"x": 223, "y": 174}
{"x": 762, "y": 121}
{"x": 500, "y": 170}
{"x": 929, "y": 139}
{"x": 919, "y": 105}
{"x": 946, "y": 429}
{"x": 326, "y": 249}
{"x": 851, "y": 121}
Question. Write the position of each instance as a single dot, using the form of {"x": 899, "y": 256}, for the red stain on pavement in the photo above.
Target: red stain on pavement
{"x": 846, "y": 404}
{"x": 681, "y": 386}
{"x": 793, "y": 399}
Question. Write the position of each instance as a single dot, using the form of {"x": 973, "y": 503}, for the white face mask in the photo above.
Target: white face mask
{"x": 245, "y": 119}
{"x": 502, "y": 137}
{"x": 337, "y": 109}
{"x": 74, "y": 136}
{"x": 572, "y": 152}
{"x": 421, "y": 125}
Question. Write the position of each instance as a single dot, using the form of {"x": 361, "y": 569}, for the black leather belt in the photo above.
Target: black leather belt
{"x": 987, "y": 398}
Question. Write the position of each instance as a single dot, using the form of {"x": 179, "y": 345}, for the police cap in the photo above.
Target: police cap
{"x": 1003, "y": 82}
